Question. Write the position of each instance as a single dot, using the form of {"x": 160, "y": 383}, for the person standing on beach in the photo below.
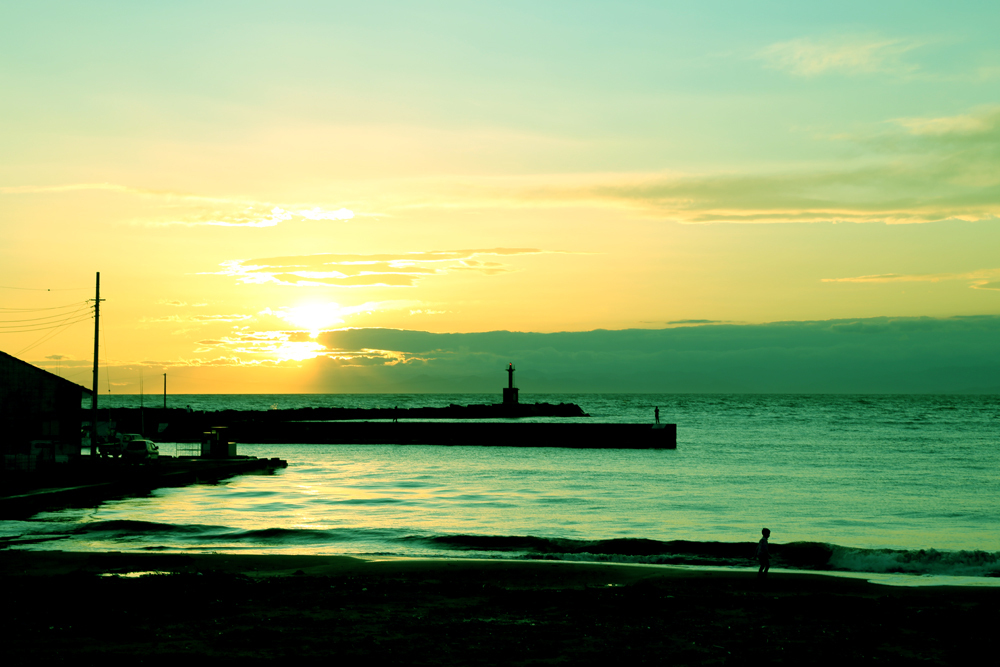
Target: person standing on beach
{"x": 763, "y": 554}
{"x": 656, "y": 414}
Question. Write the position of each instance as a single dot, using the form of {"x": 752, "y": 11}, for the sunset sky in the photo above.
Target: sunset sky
{"x": 252, "y": 178}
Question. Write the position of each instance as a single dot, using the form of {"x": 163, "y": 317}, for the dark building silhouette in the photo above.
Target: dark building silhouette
{"x": 39, "y": 415}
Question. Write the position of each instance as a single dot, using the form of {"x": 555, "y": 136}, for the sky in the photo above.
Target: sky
{"x": 283, "y": 197}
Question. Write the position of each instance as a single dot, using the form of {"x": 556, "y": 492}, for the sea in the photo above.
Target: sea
{"x": 901, "y": 489}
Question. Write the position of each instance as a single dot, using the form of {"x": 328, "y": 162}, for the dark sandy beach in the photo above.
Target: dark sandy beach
{"x": 250, "y": 609}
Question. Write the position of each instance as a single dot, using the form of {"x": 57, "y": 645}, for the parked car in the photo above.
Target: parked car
{"x": 116, "y": 445}
{"x": 140, "y": 450}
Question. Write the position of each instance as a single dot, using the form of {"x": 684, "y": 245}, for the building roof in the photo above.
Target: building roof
{"x": 8, "y": 358}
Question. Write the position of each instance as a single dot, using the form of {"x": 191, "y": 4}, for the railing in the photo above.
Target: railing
{"x": 187, "y": 449}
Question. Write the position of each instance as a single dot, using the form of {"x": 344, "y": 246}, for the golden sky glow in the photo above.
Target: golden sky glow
{"x": 248, "y": 176}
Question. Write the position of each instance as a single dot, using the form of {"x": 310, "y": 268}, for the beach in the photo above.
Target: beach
{"x": 251, "y": 609}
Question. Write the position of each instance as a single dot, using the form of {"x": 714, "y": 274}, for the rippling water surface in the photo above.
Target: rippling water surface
{"x": 870, "y": 483}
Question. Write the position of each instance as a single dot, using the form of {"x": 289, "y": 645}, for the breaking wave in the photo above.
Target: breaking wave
{"x": 816, "y": 556}
{"x": 796, "y": 555}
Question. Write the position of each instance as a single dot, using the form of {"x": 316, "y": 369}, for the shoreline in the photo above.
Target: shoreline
{"x": 259, "y": 608}
{"x": 48, "y": 562}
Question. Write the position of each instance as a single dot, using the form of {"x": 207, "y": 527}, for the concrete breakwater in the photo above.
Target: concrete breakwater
{"x": 181, "y": 420}
{"x": 350, "y": 426}
{"x": 89, "y": 481}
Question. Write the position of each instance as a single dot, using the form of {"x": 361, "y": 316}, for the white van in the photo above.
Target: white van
{"x": 140, "y": 450}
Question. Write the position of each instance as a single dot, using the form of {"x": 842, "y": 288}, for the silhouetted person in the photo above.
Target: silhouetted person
{"x": 763, "y": 553}
{"x": 656, "y": 415}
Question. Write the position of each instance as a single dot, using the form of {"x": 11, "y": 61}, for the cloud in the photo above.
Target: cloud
{"x": 261, "y": 346}
{"x": 873, "y": 355}
{"x": 977, "y": 279}
{"x": 396, "y": 270}
{"x": 843, "y": 55}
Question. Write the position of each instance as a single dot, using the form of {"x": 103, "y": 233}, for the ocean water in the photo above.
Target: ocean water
{"x": 906, "y": 485}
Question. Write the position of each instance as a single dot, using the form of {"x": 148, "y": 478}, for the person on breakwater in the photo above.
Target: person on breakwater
{"x": 763, "y": 554}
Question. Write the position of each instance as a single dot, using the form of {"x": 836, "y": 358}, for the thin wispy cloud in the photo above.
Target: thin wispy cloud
{"x": 909, "y": 170}
{"x": 385, "y": 270}
{"x": 200, "y": 319}
{"x": 981, "y": 279}
{"x": 920, "y": 170}
{"x": 984, "y": 122}
{"x": 272, "y": 218}
{"x": 199, "y": 210}
{"x": 845, "y": 54}
{"x": 261, "y": 345}
{"x": 261, "y": 217}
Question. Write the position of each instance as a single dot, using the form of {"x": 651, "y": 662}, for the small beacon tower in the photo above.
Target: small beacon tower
{"x": 510, "y": 391}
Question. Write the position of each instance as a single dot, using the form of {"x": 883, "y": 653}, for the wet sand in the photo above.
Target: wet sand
{"x": 251, "y": 609}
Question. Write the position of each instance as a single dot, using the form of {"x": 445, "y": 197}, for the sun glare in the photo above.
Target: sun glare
{"x": 314, "y": 317}
{"x": 289, "y": 351}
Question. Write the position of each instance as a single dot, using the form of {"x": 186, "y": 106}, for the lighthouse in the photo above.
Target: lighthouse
{"x": 510, "y": 391}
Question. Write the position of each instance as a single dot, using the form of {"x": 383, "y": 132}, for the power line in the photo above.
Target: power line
{"x": 45, "y": 289}
{"x": 47, "y": 317}
{"x": 55, "y": 332}
{"x": 27, "y": 328}
{"x": 32, "y": 310}
{"x": 54, "y": 325}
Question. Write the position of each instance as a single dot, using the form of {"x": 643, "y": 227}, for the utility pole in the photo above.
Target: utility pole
{"x": 93, "y": 398}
